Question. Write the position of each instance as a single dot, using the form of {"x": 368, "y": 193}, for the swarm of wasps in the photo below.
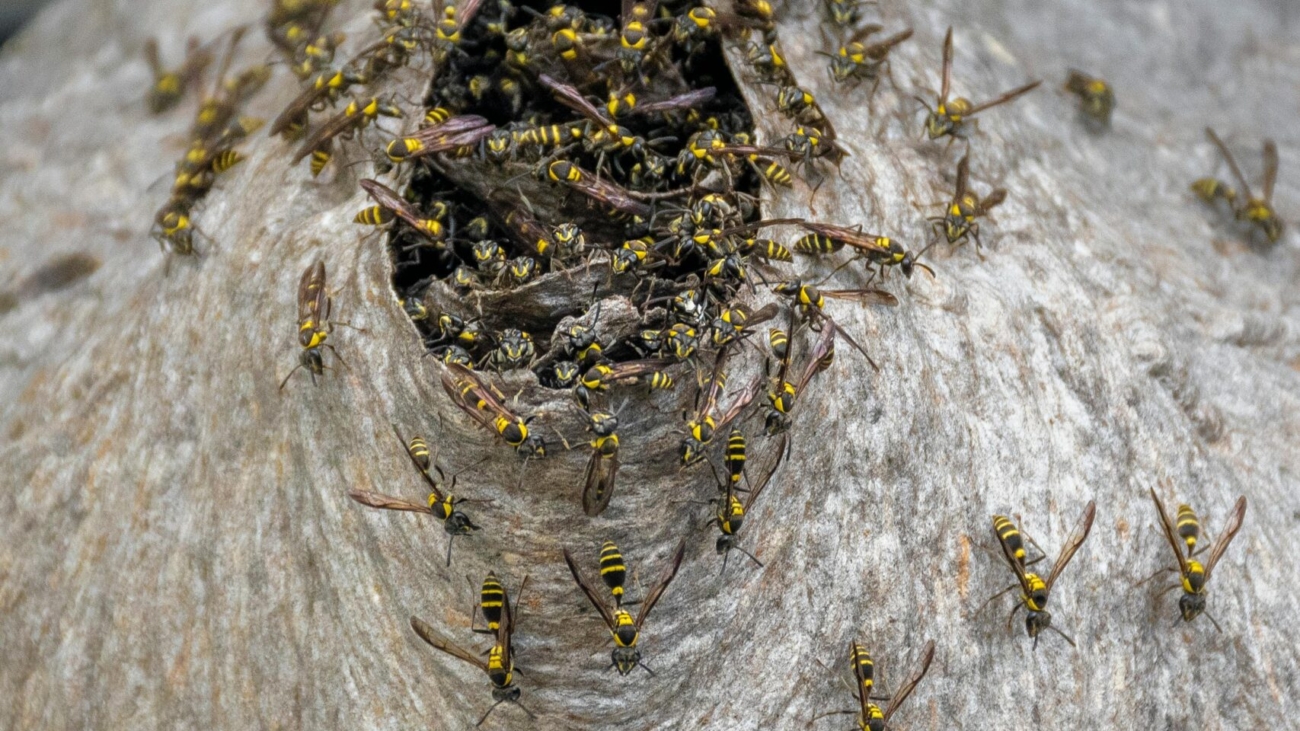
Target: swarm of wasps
{"x": 612, "y": 153}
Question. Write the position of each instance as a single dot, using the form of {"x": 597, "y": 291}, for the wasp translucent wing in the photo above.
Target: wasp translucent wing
{"x": 864, "y": 31}
{"x": 909, "y": 685}
{"x": 1167, "y": 528}
{"x": 963, "y": 175}
{"x": 658, "y": 590}
{"x": 756, "y": 488}
{"x": 328, "y": 131}
{"x": 592, "y": 596}
{"x": 878, "y": 49}
{"x": 313, "y": 300}
{"x": 1226, "y": 535}
{"x": 598, "y": 485}
{"x": 863, "y": 296}
{"x": 947, "y": 67}
{"x": 1004, "y": 98}
{"x": 744, "y": 399}
{"x": 688, "y": 100}
{"x": 1232, "y": 162}
{"x": 387, "y": 502}
{"x": 573, "y": 99}
{"x": 438, "y": 642}
{"x": 1076, "y": 539}
{"x": 824, "y": 345}
{"x": 1270, "y": 169}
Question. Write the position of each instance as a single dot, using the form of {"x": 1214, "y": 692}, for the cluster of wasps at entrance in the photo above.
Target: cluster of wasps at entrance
{"x": 555, "y": 148}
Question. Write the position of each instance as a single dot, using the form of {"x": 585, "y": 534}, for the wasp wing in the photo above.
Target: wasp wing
{"x": 1167, "y": 528}
{"x": 1232, "y": 162}
{"x": 658, "y": 590}
{"x": 682, "y": 101}
{"x": 429, "y": 635}
{"x": 1270, "y": 169}
{"x": 744, "y": 399}
{"x": 909, "y": 685}
{"x": 1076, "y": 539}
{"x": 1004, "y": 98}
{"x": 879, "y": 49}
{"x": 963, "y": 176}
{"x": 1225, "y": 537}
{"x": 387, "y": 502}
{"x": 592, "y": 596}
{"x": 947, "y": 67}
{"x": 573, "y": 99}
{"x": 326, "y": 132}
{"x": 848, "y": 236}
{"x": 598, "y": 486}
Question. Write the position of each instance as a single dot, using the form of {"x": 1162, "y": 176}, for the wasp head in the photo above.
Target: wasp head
{"x": 625, "y": 659}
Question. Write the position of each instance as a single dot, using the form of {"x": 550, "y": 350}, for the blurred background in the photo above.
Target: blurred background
{"x": 14, "y": 13}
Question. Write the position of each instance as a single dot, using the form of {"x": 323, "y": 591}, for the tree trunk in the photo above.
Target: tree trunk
{"x": 178, "y": 549}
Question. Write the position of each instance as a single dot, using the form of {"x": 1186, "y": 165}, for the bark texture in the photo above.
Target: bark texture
{"x": 176, "y": 545}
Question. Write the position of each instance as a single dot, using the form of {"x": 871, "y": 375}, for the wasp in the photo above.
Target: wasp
{"x": 730, "y": 512}
{"x": 582, "y": 341}
{"x": 844, "y": 13}
{"x": 314, "y": 323}
{"x": 701, "y": 427}
{"x": 389, "y": 206}
{"x": 680, "y": 341}
{"x": 602, "y": 135}
{"x": 870, "y": 717}
{"x": 953, "y": 117}
{"x": 694, "y": 28}
{"x": 483, "y": 403}
{"x": 826, "y": 238}
{"x": 602, "y": 468}
{"x": 959, "y": 221}
{"x": 447, "y": 31}
{"x": 601, "y": 376}
{"x": 1194, "y": 575}
{"x": 737, "y": 321}
{"x": 525, "y": 227}
{"x": 355, "y": 117}
{"x": 601, "y": 191}
{"x": 1258, "y": 212}
{"x": 626, "y": 631}
{"x": 316, "y": 55}
{"x": 457, "y": 132}
{"x": 326, "y": 88}
{"x": 1034, "y": 591}
{"x": 500, "y": 662}
{"x": 772, "y": 172}
{"x": 219, "y": 106}
{"x": 858, "y": 61}
{"x": 172, "y": 228}
{"x": 514, "y": 349}
{"x": 170, "y": 85}
{"x": 1096, "y": 98}
{"x": 634, "y": 37}
{"x": 781, "y": 399}
{"x": 809, "y": 302}
{"x": 768, "y": 61}
{"x": 441, "y": 505}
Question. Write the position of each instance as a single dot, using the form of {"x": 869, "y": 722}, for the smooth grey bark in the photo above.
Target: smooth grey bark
{"x": 176, "y": 545}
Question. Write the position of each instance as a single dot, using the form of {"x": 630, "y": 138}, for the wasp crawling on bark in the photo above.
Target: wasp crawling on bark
{"x": 500, "y": 662}
{"x": 1034, "y": 591}
{"x": 1257, "y": 212}
{"x": 953, "y": 117}
{"x": 870, "y": 716}
{"x": 958, "y": 222}
{"x": 314, "y": 323}
{"x": 626, "y": 631}
{"x": 1193, "y": 575}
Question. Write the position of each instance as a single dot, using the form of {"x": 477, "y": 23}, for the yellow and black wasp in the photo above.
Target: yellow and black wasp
{"x": 844, "y": 13}
{"x": 782, "y": 397}
{"x": 600, "y": 376}
{"x": 870, "y": 717}
{"x": 500, "y": 662}
{"x": 827, "y": 238}
{"x": 859, "y": 61}
{"x": 314, "y": 323}
{"x": 441, "y": 505}
{"x": 1034, "y": 591}
{"x": 484, "y": 404}
{"x": 1194, "y": 575}
{"x": 447, "y": 31}
{"x": 809, "y": 303}
{"x": 325, "y": 88}
{"x": 954, "y": 117}
{"x": 1096, "y": 97}
{"x": 350, "y": 122}
{"x": 390, "y": 206}
{"x": 219, "y": 106}
{"x": 703, "y": 424}
{"x": 603, "y": 192}
{"x": 1258, "y": 212}
{"x": 635, "y": 38}
{"x": 730, "y": 512}
{"x": 626, "y": 631}
{"x": 602, "y": 468}
{"x": 737, "y": 321}
{"x": 169, "y": 85}
{"x": 959, "y": 220}
{"x": 457, "y": 132}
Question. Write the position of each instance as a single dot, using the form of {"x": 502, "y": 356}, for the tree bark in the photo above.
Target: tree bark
{"x": 178, "y": 549}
